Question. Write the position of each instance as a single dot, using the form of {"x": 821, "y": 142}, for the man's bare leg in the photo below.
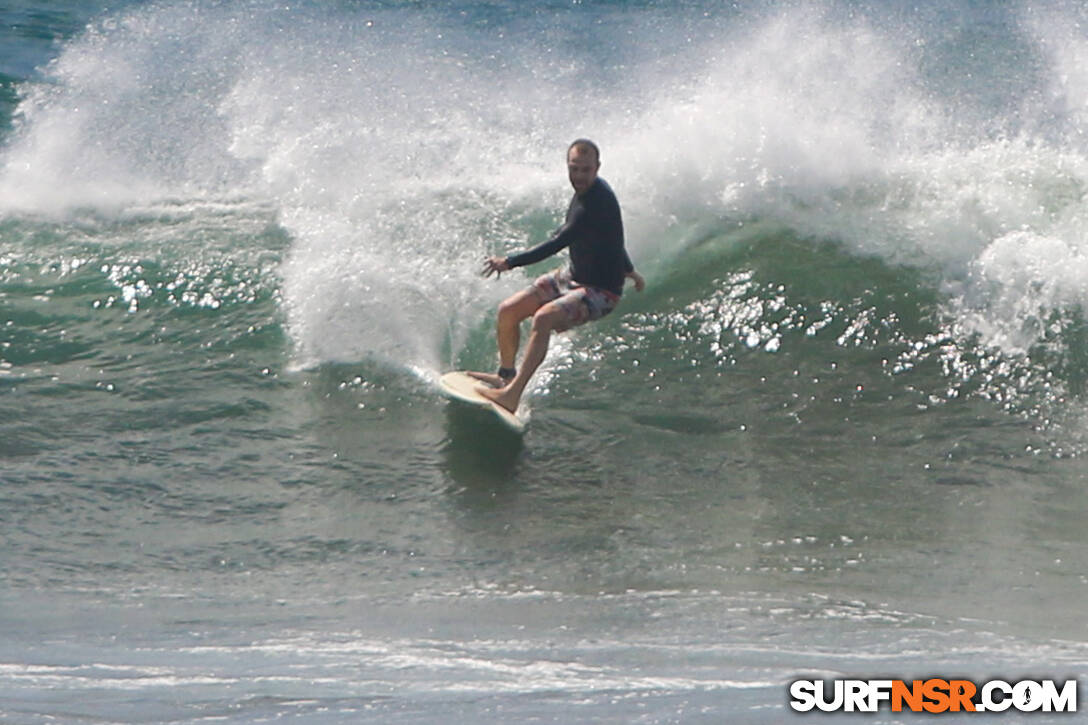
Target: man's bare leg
{"x": 512, "y": 311}
{"x": 548, "y": 318}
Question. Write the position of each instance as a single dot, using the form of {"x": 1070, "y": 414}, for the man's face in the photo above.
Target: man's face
{"x": 582, "y": 165}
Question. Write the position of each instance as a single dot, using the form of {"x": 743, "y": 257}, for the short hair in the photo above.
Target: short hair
{"x": 583, "y": 144}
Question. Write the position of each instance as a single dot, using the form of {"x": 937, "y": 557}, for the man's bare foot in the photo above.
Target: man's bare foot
{"x": 501, "y": 396}
{"x": 490, "y": 378}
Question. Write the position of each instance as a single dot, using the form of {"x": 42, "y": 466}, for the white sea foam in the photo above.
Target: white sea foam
{"x": 399, "y": 149}
{"x": 842, "y": 132}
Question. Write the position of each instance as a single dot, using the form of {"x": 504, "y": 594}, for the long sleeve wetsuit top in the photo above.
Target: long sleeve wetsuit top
{"x": 594, "y": 232}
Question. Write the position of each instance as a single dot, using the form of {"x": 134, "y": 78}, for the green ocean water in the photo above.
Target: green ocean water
{"x": 840, "y": 433}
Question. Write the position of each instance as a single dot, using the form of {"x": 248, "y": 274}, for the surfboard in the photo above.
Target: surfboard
{"x": 459, "y": 385}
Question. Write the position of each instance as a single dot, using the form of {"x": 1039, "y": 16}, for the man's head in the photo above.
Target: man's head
{"x": 583, "y": 161}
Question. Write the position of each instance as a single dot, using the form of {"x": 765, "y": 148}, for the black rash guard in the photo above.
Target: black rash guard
{"x": 594, "y": 232}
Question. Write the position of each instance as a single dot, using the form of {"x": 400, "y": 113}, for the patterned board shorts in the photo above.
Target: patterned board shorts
{"x": 579, "y": 304}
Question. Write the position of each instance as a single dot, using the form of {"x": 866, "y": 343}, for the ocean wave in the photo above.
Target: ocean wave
{"x": 395, "y": 149}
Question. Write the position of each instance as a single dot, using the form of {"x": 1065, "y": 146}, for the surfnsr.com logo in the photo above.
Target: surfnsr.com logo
{"x": 935, "y": 695}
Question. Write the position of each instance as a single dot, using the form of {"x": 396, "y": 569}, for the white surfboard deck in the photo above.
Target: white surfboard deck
{"x": 459, "y": 385}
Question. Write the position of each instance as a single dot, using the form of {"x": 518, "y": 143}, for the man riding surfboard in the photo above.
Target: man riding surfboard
{"x": 587, "y": 290}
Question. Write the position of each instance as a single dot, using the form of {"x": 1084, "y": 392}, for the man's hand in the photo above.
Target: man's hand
{"x": 640, "y": 283}
{"x": 495, "y": 265}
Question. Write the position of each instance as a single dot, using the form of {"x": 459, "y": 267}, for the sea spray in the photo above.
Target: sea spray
{"x": 397, "y": 151}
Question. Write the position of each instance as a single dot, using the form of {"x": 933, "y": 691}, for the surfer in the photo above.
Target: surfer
{"x": 587, "y": 290}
